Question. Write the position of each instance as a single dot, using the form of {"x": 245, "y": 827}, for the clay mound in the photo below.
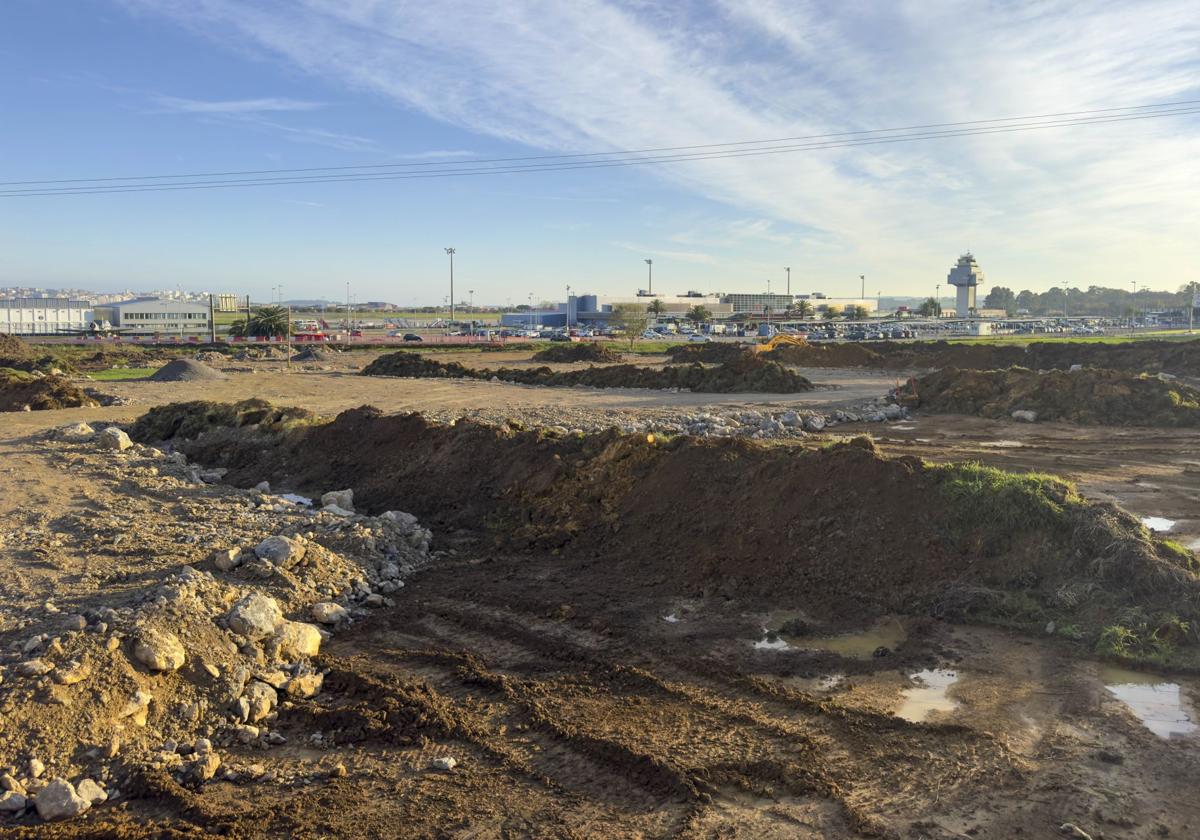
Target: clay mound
{"x": 825, "y": 355}
{"x": 191, "y": 419}
{"x": 20, "y": 388}
{"x": 185, "y": 370}
{"x": 712, "y": 352}
{"x": 12, "y": 347}
{"x": 1089, "y": 396}
{"x": 837, "y": 530}
{"x": 590, "y": 351}
{"x": 312, "y": 354}
{"x": 746, "y": 374}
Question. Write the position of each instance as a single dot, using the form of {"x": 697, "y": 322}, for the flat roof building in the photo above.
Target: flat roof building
{"x": 44, "y": 315}
{"x": 152, "y": 316}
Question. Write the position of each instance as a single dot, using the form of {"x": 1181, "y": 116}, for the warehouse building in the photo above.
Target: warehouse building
{"x": 153, "y": 316}
{"x": 44, "y": 315}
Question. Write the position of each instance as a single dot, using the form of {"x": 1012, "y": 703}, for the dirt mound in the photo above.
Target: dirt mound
{"x": 313, "y": 354}
{"x": 12, "y": 347}
{"x": 1088, "y": 396}
{"x": 746, "y": 374}
{"x": 590, "y": 351}
{"x": 835, "y": 526}
{"x": 185, "y": 370}
{"x": 192, "y": 419}
{"x": 19, "y": 389}
{"x": 825, "y": 355}
{"x": 712, "y": 352}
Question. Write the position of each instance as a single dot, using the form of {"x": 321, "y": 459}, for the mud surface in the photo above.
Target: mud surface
{"x": 1089, "y": 396}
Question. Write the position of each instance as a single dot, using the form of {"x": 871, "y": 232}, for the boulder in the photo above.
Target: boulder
{"x": 33, "y": 668}
{"x": 59, "y": 801}
{"x": 444, "y": 763}
{"x": 262, "y": 699}
{"x": 77, "y": 431}
{"x": 1022, "y": 416}
{"x": 159, "y": 650}
{"x": 91, "y": 792}
{"x": 305, "y": 686}
{"x": 814, "y": 423}
{"x": 12, "y": 802}
{"x": 403, "y": 521}
{"x": 297, "y": 640}
{"x": 137, "y": 707}
{"x": 256, "y": 616}
{"x": 339, "y": 498}
{"x": 327, "y": 612}
{"x": 114, "y": 439}
{"x": 226, "y": 559}
{"x": 284, "y": 552}
{"x": 202, "y": 768}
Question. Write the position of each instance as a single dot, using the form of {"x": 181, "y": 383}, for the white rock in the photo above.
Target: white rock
{"x": 336, "y": 510}
{"x": 327, "y": 612}
{"x": 404, "y": 521}
{"x": 12, "y": 802}
{"x": 339, "y": 498}
{"x": 255, "y": 616}
{"x": 33, "y": 668}
{"x": 1025, "y": 416}
{"x": 36, "y": 768}
{"x": 226, "y": 559}
{"x": 113, "y": 438}
{"x": 297, "y": 639}
{"x": 90, "y": 791}
{"x": 444, "y": 763}
{"x": 281, "y": 551}
{"x": 77, "y": 431}
{"x": 263, "y": 487}
{"x": 137, "y": 707}
{"x": 159, "y": 650}
{"x": 59, "y": 801}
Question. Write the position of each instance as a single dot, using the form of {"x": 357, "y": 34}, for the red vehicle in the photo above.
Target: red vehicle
{"x": 310, "y": 336}
{"x": 356, "y": 333}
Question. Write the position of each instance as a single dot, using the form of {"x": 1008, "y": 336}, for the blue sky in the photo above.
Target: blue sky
{"x": 93, "y": 88}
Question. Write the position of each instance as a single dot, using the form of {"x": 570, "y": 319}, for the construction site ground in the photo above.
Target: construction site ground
{"x": 578, "y": 706}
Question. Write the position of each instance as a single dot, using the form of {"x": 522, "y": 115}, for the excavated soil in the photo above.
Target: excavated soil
{"x": 839, "y": 529}
{"x": 19, "y": 389}
{"x": 746, "y": 374}
{"x": 589, "y": 351}
{"x": 185, "y": 370}
{"x": 711, "y": 352}
{"x": 1088, "y": 396}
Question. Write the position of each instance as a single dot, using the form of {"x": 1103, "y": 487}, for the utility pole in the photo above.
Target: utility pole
{"x": 1191, "y": 305}
{"x": 212, "y": 321}
{"x": 650, "y": 277}
{"x": 450, "y": 253}
{"x": 863, "y": 294}
{"x": 788, "y": 269}
{"x": 247, "y": 335}
{"x": 937, "y": 301}
{"x": 568, "y": 311}
{"x": 349, "y": 323}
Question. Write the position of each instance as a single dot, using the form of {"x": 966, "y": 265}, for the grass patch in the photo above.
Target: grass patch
{"x": 118, "y": 374}
{"x": 1002, "y": 504}
{"x": 1021, "y": 340}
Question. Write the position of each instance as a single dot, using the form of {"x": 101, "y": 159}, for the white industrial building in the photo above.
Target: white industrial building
{"x": 152, "y": 316}
{"x": 44, "y": 315}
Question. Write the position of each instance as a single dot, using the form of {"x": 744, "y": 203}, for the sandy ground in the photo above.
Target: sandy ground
{"x": 581, "y": 711}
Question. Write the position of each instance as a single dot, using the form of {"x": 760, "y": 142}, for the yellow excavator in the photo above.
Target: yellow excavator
{"x": 781, "y": 340}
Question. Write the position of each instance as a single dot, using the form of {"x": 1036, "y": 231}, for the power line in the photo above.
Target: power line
{"x": 553, "y": 163}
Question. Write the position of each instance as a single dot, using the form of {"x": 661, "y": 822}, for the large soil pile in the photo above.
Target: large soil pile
{"x": 185, "y": 370}
{"x": 835, "y": 527}
{"x": 15, "y": 354}
{"x": 746, "y": 374}
{"x": 19, "y": 389}
{"x": 590, "y": 351}
{"x": 826, "y": 355}
{"x": 1088, "y": 396}
{"x": 712, "y": 352}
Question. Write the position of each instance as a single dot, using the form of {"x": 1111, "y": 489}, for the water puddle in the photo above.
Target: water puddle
{"x": 771, "y": 642}
{"x": 901, "y": 427}
{"x": 928, "y": 696}
{"x": 863, "y": 644}
{"x": 1002, "y": 444}
{"x": 1158, "y": 524}
{"x": 1158, "y": 704}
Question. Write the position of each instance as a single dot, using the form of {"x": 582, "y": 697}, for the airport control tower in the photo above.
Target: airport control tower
{"x": 966, "y": 276}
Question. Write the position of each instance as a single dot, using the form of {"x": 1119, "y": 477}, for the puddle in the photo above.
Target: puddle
{"x": 928, "y": 696}
{"x": 1002, "y": 444}
{"x": 862, "y": 645}
{"x": 1158, "y": 523}
{"x": 768, "y": 643}
{"x": 296, "y": 500}
{"x": 671, "y": 619}
{"x": 1158, "y": 704}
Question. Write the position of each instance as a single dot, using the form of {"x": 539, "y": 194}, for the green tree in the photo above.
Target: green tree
{"x": 832, "y": 312}
{"x": 630, "y": 318}
{"x": 1001, "y": 297}
{"x": 269, "y": 321}
{"x": 856, "y": 312}
{"x": 656, "y": 308}
{"x": 930, "y": 307}
{"x": 801, "y": 309}
{"x": 699, "y": 315}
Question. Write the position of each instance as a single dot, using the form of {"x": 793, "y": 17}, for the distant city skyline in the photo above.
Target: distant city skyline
{"x": 156, "y": 87}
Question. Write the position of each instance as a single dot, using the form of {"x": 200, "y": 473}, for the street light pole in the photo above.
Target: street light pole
{"x": 937, "y": 300}
{"x": 450, "y": 253}
{"x": 650, "y": 277}
{"x": 788, "y": 269}
{"x": 568, "y": 311}
{"x": 471, "y": 292}
{"x": 863, "y": 294}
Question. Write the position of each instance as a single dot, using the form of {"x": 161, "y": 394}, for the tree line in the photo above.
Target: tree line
{"x": 1100, "y": 301}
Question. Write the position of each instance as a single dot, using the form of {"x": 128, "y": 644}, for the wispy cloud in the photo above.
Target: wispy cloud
{"x": 596, "y": 74}
{"x": 177, "y": 105}
{"x": 697, "y": 257}
{"x": 435, "y": 154}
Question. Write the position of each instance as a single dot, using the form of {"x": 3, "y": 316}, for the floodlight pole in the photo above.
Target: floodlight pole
{"x": 450, "y": 253}
{"x": 650, "y": 277}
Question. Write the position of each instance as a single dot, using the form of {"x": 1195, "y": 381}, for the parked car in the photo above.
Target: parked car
{"x": 699, "y": 338}
{"x": 412, "y": 337}
{"x": 560, "y": 337}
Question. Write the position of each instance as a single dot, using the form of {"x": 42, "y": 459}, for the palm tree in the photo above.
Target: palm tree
{"x": 699, "y": 315}
{"x": 832, "y": 312}
{"x": 270, "y": 321}
{"x": 802, "y": 309}
{"x": 656, "y": 307}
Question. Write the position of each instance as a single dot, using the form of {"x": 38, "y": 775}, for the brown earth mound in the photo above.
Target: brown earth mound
{"x": 20, "y": 388}
{"x": 313, "y": 354}
{"x": 825, "y": 355}
{"x": 711, "y": 352}
{"x": 1088, "y": 396}
{"x": 12, "y": 347}
{"x": 835, "y": 527}
{"x": 590, "y": 351}
{"x": 185, "y": 370}
{"x": 746, "y": 374}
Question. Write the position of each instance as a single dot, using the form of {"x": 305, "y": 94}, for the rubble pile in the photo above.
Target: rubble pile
{"x": 37, "y": 391}
{"x": 200, "y": 632}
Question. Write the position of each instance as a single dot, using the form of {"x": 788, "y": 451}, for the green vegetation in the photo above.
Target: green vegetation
{"x": 119, "y": 373}
{"x": 269, "y": 321}
{"x": 190, "y": 419}
{"x": 1002, "y": 504}
{"x": 1164, "y": 335}
{"x": 1139, "y": 637}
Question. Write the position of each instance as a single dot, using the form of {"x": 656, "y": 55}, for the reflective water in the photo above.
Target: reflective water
{"x": 296, "y": 500}
{"x": 929, "y": 695}
{"x": 887, "y": 633}
{"x": 1002, "y": 444}
{"x": 1158, "y": 523}
{"x": 1157, "y": 703}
